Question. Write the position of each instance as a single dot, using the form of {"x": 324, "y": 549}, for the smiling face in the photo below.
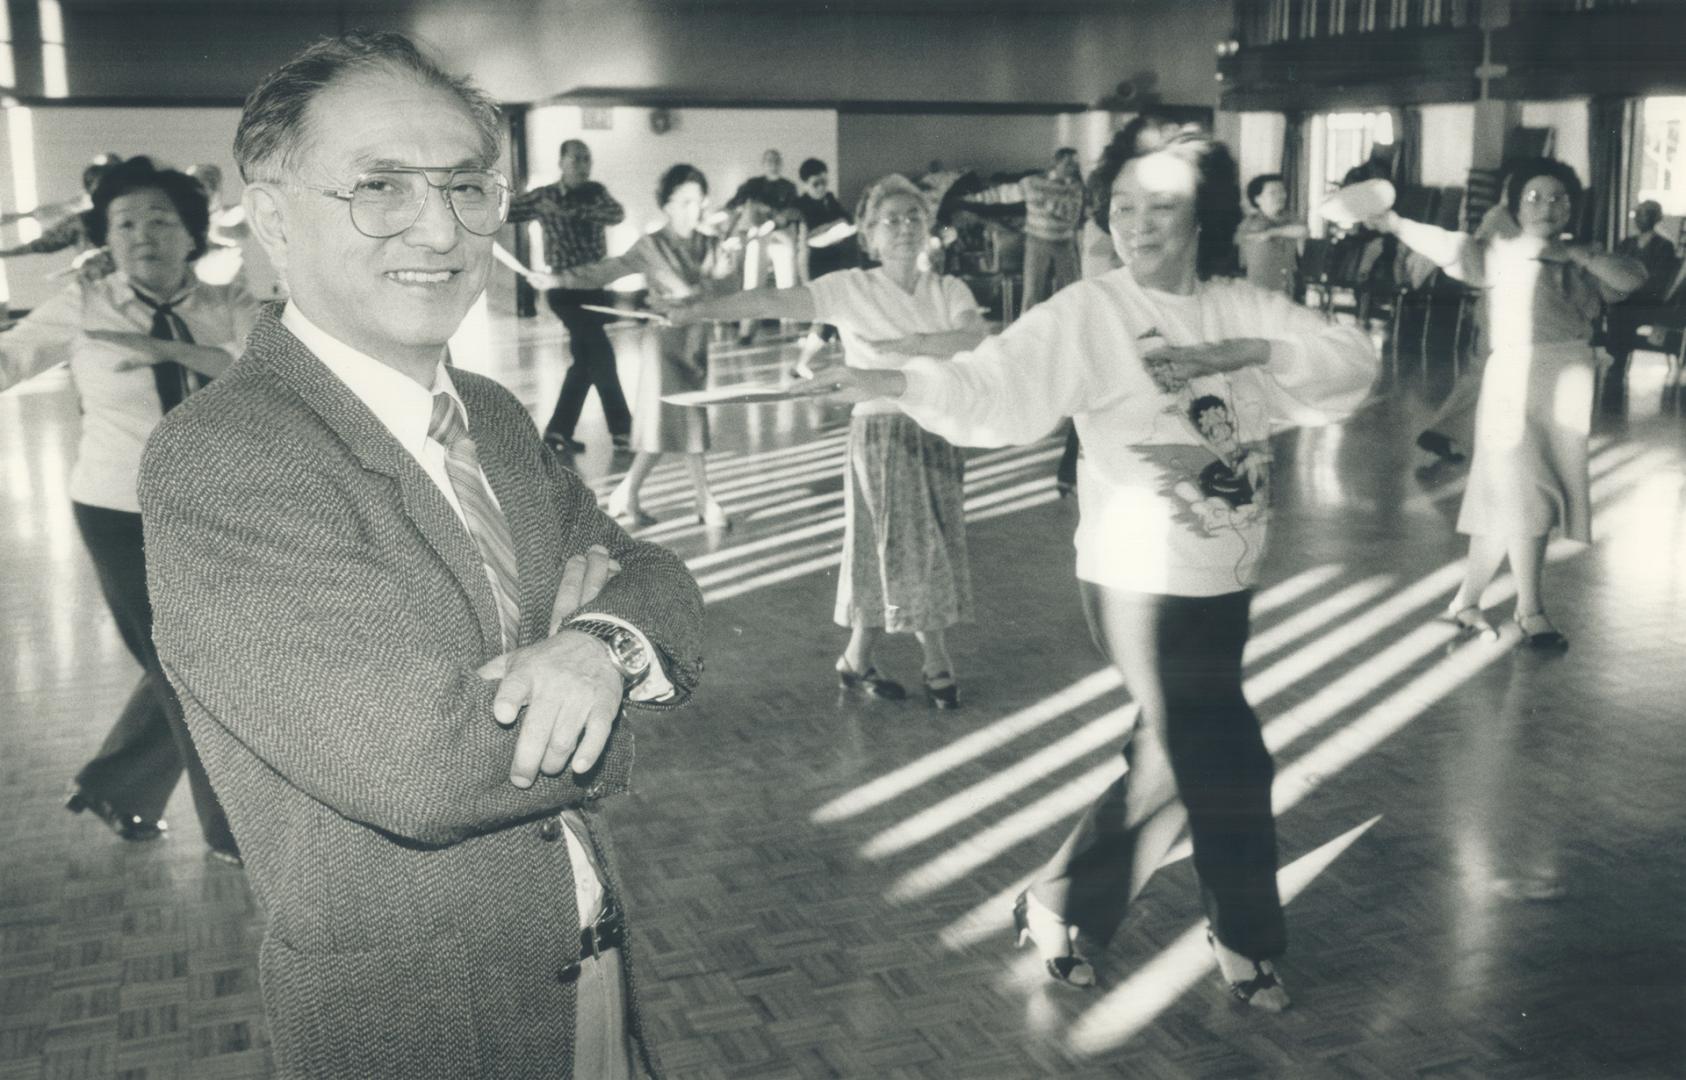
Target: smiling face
{"x": 1152, "y": 221}
{"x": 1545, "y": 208}
{"x": 898, "y": 230}
{"x": 817, "y": 185}
{"x": 401, "y": 298}
{"x": 148, "y": 241}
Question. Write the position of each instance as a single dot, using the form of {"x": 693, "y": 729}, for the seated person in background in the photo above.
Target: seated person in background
{"x": 1269, "y": 241}
{"x": 1644, "y": 307}
{"x": 765, "y": 215}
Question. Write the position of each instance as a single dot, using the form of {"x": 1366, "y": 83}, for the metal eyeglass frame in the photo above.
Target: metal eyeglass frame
{"x": 346, "y": 194}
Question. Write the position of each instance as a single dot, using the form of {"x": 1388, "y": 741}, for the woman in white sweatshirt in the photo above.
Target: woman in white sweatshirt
{"x": 1174, "y": 383}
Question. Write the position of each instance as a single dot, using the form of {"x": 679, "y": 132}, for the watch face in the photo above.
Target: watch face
{"x": 632, "y": 654}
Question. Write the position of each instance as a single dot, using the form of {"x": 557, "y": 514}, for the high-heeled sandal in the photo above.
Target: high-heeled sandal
{"x": 870, "y": 681}
{"x": 1072, "y": 968}
{"x": 1262, "y": 990}
{"x": 1469, "y": 620}
{"x": 1539, "y": 633}
{"x": 941, "y": 691}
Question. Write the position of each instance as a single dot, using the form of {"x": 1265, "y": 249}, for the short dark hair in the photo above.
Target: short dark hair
{"x": 811, "y": 168}
{"x": 1217, "y": 192}
{"x": 139, "y": 174}
{"x": 1532, "y": 168}
{"x": 1256, "y": 186}
{"x": 272, "y": 129}
{"x": 676, "y": 177}
{"x": 569, "y": 143}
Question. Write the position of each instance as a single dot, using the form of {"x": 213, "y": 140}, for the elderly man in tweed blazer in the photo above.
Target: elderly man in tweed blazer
{"x": 360, "y": 557}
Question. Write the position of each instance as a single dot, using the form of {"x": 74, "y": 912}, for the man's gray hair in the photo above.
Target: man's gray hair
{"x": 273, "y": 130}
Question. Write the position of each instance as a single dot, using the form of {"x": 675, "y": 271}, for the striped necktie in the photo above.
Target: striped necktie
{"x": 172, "y": 380}
{"x": 485, "y": 521}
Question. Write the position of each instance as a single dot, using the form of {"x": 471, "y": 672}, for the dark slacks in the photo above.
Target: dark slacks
{"x": 148, "y": 747}
{"x": 594, "y": 364}
{"x": 1196, "y": 747}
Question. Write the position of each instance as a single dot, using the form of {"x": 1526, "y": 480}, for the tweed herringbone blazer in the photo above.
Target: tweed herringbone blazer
{"x": 321, "y": 611}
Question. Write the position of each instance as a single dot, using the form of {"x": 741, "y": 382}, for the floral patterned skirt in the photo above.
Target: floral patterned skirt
{"x": 904, "y": 534}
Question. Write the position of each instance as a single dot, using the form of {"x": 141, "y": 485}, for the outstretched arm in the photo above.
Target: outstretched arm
{"x": 793, "y": 303}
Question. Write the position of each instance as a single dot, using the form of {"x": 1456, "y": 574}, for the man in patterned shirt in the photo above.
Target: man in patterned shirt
{"x": 573, "y": 213}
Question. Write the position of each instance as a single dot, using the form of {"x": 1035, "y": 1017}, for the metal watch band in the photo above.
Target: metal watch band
{"x": 615, "y": 639}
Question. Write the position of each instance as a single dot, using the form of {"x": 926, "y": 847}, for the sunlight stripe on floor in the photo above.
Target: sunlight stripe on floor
{"x": 999, "y": 733}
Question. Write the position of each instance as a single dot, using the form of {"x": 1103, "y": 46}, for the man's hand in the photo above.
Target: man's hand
{"x": 566, "y": 695}
{"x": 558, "y": 683}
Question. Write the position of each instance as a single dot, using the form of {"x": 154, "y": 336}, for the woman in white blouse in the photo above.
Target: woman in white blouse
{"x": 905, "y": 568}
{"x": 1174, "y": 382}
{"x": 138, "y": 340}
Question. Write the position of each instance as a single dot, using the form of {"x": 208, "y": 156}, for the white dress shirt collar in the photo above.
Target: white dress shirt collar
{"x": 403, "y": 405}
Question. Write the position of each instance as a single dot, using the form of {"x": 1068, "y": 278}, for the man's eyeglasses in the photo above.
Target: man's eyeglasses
{"x": 386, "y": 202}
{"x": 1534, "y": 198}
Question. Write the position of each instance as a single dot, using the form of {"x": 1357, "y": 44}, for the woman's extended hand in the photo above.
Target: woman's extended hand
{"x": 1172, "y": 366}
{"x": 846, "y": 385}
{"x": 147, "y": 350}
{"x": 678, "y": 310}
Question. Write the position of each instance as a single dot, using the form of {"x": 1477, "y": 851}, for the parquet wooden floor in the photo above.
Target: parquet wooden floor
{"x": 1483, "y": 846}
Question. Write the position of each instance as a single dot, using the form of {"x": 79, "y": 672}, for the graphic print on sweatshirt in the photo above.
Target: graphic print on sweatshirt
{"x": 1213, "y": 459}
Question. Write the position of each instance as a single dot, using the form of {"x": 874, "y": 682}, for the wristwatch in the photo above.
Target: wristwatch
{"x": 629, "y": 655}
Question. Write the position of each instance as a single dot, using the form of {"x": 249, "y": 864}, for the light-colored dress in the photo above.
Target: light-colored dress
{"x": 1528, "y": 473}
{"x": 905, "y": 566}
{"x": 672, "y": 359}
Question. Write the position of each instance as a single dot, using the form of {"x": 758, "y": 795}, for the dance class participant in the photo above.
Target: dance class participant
{"x": 1540, "y": 296}
{"x": 139, "y": 340}
{"x": 905, "y": 568}
{"x": 678, "y": 261}
{"x": 1175, "y": 381}
{"x": 573, "y": 212}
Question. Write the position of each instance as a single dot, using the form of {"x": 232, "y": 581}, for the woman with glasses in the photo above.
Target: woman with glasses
{"x": 1540, "y": 296}
{"x": 138, "y": 340}
{"x": 904, "y": 535}
{"x": 1175, "y": 380}
{"x": 678, "y": 261}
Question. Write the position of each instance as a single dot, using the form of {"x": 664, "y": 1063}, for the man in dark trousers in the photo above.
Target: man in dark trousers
{"x": 404, "y": 636}
{"x": 573, "y": 213}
